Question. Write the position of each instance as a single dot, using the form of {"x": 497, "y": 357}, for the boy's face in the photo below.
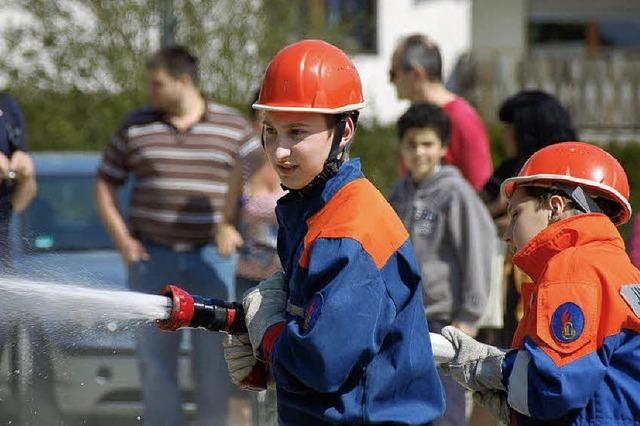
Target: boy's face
{"x": 297, "y": 145}
{"x": 527, "y": 219}
{"x": 421, "y": 151}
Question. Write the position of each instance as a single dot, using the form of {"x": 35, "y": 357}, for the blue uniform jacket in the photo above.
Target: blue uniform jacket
{"x": 355, "y": 348}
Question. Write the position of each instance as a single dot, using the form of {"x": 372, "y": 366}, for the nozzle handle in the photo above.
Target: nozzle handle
{"x": 201, "y": 312}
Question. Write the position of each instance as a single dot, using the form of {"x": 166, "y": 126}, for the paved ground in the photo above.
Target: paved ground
{"x": 241, "y": 411}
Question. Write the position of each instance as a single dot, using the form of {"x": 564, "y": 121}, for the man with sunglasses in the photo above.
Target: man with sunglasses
{"x": 416, "y": 72}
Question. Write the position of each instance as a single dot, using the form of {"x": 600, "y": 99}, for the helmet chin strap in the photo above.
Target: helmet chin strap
{"x": 584, "y": 202}
{"x": 334, "y": 159}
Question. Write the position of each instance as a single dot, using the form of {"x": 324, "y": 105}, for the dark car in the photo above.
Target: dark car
{"x": 84, "y": 369}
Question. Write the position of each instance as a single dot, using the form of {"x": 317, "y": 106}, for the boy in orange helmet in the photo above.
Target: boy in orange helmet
{"x": 343, "y": 327}
{"x": 574, "y": 358}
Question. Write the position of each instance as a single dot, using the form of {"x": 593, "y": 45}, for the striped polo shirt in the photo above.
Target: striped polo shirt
{"x": 181, "y": 178}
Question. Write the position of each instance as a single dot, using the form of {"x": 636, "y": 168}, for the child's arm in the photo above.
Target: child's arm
{"x": 474, "y": 237}
{"x": 539, "y": 388}
{"x": 559, "y": 367}
{"x": 343, "y": 325}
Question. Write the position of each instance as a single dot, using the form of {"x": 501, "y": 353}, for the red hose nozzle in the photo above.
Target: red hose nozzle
{"x": 182, "y": 309}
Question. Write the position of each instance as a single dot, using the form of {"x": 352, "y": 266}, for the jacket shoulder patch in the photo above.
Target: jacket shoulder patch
{"x": 567, "y": 322}
{"x": 312, "y": 313}
{"x": 567, "y": 319}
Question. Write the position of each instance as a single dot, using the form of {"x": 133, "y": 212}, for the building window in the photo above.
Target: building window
{"x": 355, "y": 20}
{"x": 591, "y": 35}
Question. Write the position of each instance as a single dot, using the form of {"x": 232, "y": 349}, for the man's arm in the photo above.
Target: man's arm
{"x": 228, "y": 238}
{"x": 131, "y": 249}
{"x": 25, "y": 180}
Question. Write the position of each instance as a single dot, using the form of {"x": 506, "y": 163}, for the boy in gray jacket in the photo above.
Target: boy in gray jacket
{"x": 451, "y": 230}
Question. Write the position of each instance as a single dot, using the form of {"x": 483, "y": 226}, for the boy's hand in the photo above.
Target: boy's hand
{"x": 238, "y": 354}
{"x": 264, "y": 306}
{"x": 476, "y": 366}
{"x": 496, "y": 403}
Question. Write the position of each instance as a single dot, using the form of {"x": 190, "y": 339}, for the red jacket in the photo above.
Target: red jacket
{"x": 578, "y": 341}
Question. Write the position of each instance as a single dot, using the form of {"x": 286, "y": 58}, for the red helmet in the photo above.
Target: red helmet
{"x": 311, "y": 76}
{"x": 576, "y": 164}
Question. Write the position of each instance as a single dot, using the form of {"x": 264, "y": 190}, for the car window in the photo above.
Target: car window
{"x": 63, "y": 215}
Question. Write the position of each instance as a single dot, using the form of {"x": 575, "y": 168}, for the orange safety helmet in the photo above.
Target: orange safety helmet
{"x": 573, "y": 165}
{"x": 311, "y": 76}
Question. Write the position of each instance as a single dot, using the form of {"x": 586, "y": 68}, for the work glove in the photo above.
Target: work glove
{"x": 264, "y": 306}
{"x": 476, "y": 366}
{"x": 238, "y": 354}
{"x": 496, "y": 403}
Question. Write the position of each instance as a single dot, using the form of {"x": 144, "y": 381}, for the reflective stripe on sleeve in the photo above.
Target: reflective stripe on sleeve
{"x": 518, "y": 390}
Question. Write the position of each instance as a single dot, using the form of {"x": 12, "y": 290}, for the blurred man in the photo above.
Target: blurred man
{"x": 184, "y": 153}
{"x": 416, "y": 72}
{"x": 17, "y": 174}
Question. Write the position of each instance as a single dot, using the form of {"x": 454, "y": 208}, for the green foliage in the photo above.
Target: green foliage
{"x": 73, "y": 120}
{"x": 628, "y": 154}
{"x": 78, "y": 66}
{"x": 378, "y": 150}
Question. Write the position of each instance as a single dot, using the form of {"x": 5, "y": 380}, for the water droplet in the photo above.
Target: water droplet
{"x": 138, "y": 418}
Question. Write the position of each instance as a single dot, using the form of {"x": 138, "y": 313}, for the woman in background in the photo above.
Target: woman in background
{"x": 532, "y": 119}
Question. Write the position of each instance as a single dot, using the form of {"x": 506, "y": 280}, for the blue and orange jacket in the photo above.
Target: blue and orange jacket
{"x": 578, "y": 357}
{"x": 355, "y": 347}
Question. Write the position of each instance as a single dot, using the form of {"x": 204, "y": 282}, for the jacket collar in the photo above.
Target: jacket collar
{"x": 574, "y": 231}
{"x": 312, "y": 202}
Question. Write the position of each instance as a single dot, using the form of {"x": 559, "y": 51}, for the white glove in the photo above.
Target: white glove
{"x": 496, "y": 403}
{"x": 264, "y": 305}
{"x": 476, "y": 366}
{"x": 238, "y": 354}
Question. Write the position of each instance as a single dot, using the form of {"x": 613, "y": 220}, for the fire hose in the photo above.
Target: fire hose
{"x": 191, "y": 311}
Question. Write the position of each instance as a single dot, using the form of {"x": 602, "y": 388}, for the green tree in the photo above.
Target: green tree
{"x": 77, "y": 66}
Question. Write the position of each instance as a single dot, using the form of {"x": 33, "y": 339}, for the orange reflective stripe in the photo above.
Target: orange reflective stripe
{"x": 358, "y": 211}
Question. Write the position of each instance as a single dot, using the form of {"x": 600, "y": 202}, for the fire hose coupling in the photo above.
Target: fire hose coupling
{"x": 182, "y": 308}
{"x": 201, "y": 312}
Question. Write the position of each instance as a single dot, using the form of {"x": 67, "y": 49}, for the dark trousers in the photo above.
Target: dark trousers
{"x": 455, "y": 411}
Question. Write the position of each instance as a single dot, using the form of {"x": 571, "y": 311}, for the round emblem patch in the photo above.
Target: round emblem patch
{"x": 567, "y": 322}
{"x": 312, "y": 312}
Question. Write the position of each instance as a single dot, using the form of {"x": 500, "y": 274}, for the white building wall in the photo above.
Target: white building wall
{"x": 448, "y": 22}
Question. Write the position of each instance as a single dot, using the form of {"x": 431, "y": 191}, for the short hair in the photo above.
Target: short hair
{"x": 417, "y": 50}
{"x": 424, "y": 115}
{"x": 176, "y": 61}
{"x": 538, "y": 120}
{"x": 542, "y": 195}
